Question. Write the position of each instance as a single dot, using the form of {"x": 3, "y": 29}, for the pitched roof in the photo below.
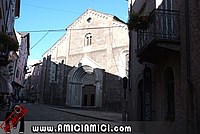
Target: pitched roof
{"x": 96, "y": 12}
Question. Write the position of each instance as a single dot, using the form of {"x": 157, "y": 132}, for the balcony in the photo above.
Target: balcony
{"x": 8, "y": 47}
{"x": 158, "y": 36}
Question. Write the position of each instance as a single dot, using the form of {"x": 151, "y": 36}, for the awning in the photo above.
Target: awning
{"x": 5, "y": 86}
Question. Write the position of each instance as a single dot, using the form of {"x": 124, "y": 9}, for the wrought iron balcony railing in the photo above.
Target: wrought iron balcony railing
{"x": 161, "y": 25}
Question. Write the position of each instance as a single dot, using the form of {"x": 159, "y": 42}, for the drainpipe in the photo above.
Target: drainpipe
{"x": 4, "y": 20}
{"x": 188, "y": 60}
{"x": 191, "y": 91}
{"x": 8, "y": 14}
{"x": 187, "y": 27}
{"x": 129, "y": 67}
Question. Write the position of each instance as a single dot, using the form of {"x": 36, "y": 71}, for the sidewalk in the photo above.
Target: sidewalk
{"x": 101, "y": 115}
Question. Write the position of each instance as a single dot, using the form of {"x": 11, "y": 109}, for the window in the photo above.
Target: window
{"x": 38, "y": 73}
{"x": 169, "y": 5}
{"x": 20, "y": 77}
{"x": 166, "y": 4}
{"x": 1, "y": 17}
{"x": 168, "y": 95}
{"x": 89, "y": 20}
{"x": 37, "y": 86}
{"x": 17, "y": 74}
{"x": 6, "y": 5}
{"x": 158, "y": 3}
{"x": 88, "y": 39}
{"x": 56, "y": 72}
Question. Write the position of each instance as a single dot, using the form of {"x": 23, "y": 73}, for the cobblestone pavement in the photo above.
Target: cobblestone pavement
{"x": 40, "y": 112}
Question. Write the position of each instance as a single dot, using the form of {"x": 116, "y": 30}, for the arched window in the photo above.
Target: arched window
{"x": 88, "y": 39}
{"x": 168, "y": 94}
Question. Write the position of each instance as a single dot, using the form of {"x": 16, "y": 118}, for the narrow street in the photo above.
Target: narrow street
{"x": 40, "y": 112}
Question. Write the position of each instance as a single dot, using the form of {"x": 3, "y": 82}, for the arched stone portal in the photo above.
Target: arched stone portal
{"x": 84, "y": 87}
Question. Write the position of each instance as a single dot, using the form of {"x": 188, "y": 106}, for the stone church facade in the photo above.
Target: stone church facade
{"x": 95, "y": 48}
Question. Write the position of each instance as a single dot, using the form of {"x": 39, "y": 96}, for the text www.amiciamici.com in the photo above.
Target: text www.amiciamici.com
{"x": 83, "y": 128}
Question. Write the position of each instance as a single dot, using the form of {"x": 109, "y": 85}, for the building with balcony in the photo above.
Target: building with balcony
{"x": 160, "y": 29}
{"x": 9, "y": 11}
{"x": 164, "y": 60}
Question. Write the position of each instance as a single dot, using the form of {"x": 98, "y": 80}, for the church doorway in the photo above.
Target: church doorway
{"x": 88, "y": 95}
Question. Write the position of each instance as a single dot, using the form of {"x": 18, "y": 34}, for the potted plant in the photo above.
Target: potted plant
{"x": 136, "y": 21}
{"x": 133, "y": 21}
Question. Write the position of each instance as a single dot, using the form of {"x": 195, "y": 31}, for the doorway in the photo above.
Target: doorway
{"x": 88, "y": 95}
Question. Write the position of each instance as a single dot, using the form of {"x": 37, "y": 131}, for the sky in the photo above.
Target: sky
{"x": 39, "y": 15}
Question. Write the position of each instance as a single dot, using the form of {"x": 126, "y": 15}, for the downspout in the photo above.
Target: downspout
{"x": 3, "y": 13}
{"x": 128, "y": 89}
{"x": 14, "y": 74}
{"x": 8, "y": 14}
{"x": 129, "y": 68}
{"x": 188, "y": 54}
{"x": 191, "y": 92}
{"x": 188, "y": 60}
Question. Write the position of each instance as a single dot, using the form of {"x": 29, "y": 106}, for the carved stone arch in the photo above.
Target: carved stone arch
{"x": 84, "y": 81}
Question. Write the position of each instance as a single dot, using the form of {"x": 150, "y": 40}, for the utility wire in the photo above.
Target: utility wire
{"x": 62, "y": 30}
{"x": 93, "y": 28}
{"x": 53, "y": 9}
{"x": 40, "y": 40}
{"x": 40, "y": 31}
